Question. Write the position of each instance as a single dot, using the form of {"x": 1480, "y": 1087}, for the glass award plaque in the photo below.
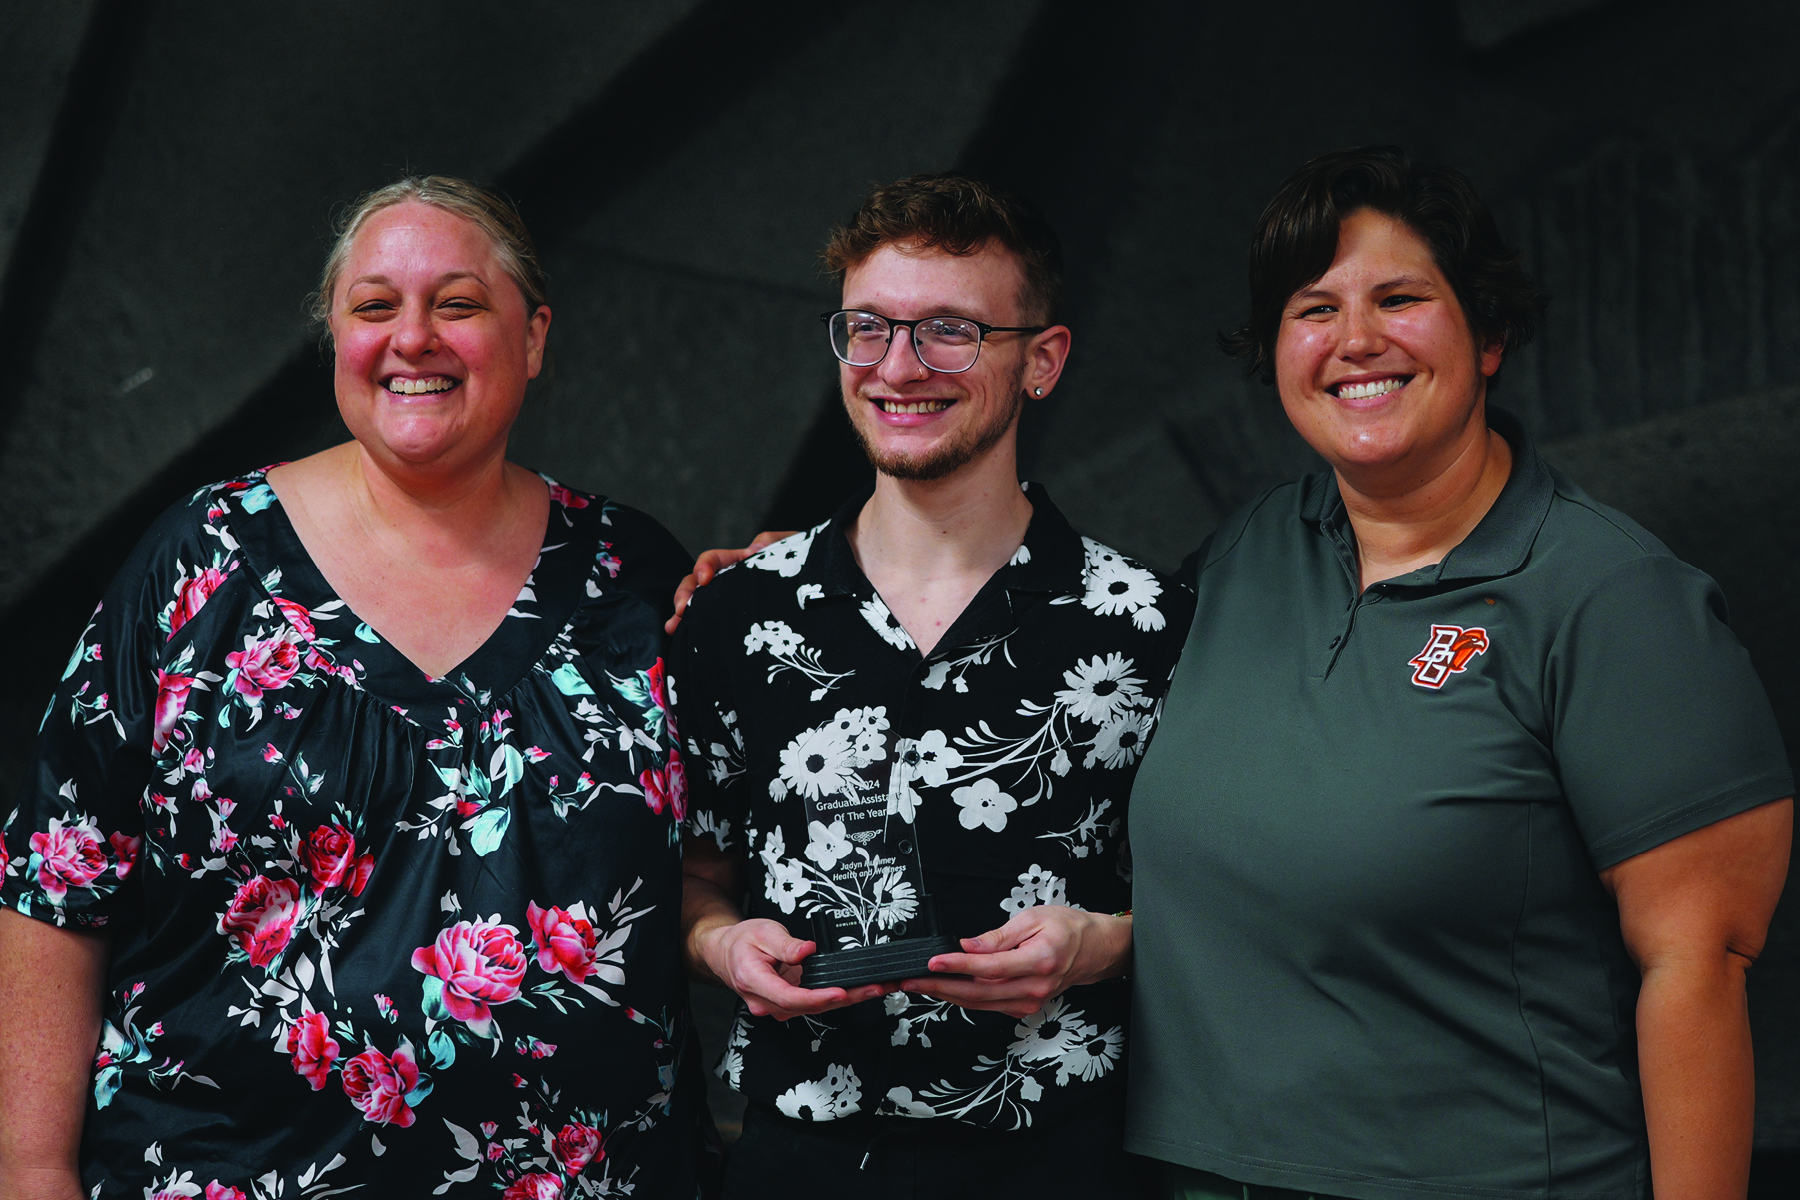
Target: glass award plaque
{"x": 871, "y": 916}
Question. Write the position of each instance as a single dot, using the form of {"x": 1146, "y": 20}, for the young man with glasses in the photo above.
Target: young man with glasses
{"x": 919, "y": 723}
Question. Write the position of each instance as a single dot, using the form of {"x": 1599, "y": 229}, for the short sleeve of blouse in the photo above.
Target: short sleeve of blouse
{"x": 707, "y": 716}
{"x": 657, "y": 561}
{"x": 71, "y": 845}
{"x": 1660, "y": 724}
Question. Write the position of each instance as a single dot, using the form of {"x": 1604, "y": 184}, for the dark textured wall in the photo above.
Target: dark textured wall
{"x": 168, "y": 170}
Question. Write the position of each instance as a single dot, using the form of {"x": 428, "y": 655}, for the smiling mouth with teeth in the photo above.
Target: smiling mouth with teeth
{"x": 420, "y": 387}
{"x": 922, "y": 406}
{"x": 1366, "y": 391}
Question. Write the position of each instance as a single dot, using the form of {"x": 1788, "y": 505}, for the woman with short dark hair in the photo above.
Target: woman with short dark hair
{"x": 1297, "y": 239}
{"x": 1467, "y": 813}
{"x": 352, "y": 834}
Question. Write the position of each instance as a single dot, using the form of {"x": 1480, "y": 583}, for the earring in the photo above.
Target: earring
{"x": 1037, "y": 391}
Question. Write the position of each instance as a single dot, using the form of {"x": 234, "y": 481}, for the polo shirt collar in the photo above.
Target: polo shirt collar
{"x": 1497, "y": 546}
{"x": 1052, "y": 561}
{"x": 1501, "y": 542}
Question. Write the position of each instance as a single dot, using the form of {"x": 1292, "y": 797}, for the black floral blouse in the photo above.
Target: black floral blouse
{"x": 369, "y": 928}
{"x": 819, "y": 738}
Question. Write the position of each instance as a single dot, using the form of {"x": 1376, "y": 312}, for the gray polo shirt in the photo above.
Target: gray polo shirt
{"x": 1374, "y": 958}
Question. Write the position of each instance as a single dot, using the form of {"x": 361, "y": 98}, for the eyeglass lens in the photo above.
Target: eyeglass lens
{"x": 947, "y": 344}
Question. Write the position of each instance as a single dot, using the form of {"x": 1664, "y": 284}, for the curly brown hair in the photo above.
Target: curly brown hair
{"x": 959, "y": 215}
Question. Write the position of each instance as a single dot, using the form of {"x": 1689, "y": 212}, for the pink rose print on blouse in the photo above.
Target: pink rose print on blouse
{"x": 666, "y": 787}
{"x": 378, "y": 1084}
{"x": 125, "y": 851}
{"x": 566, "y": 498}
{"x": 192, "y": 595}
{"x": 318, "y": 662}
{"x": 261, "y": 917}
{"x": 678, "y": 791}
{"x": 577, "y": 1146}
{"x": 297, "y": 616}
{"x": 171, "y": 698}
{"x": 535, "y": 1186}
{"x": 480, "y": 962}
{"x": 181, "y": 1189}
{"x": 659, "y": 692}
{"x": 313, "y": 1049}
{"x": 73, "y": 856}
{"x": 264, "y": 666}
{"x": 607, "y": 560}
{"x": 329, "y": 856}
{"x": 564, "y": 939}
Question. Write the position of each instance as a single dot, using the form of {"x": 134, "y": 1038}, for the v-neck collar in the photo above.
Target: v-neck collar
{"x": 545, "y": 603}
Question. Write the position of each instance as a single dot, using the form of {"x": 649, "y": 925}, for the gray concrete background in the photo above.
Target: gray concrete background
{"x": 239, "y": 129}
{"x": 699, "y": 428}
{"x": 169, "y": 168}
{"x": 37, "y": 45}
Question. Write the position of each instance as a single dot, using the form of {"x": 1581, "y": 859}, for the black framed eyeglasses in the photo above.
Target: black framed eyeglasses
{"x": 948, "y": 345}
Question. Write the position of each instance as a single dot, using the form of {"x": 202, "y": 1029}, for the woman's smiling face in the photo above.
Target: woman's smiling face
{"x": 1375, "y": 362}
{"x": 434, "y": 346}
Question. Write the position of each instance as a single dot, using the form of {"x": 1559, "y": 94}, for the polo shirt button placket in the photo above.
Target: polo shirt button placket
{"x": 1336, "y": 645}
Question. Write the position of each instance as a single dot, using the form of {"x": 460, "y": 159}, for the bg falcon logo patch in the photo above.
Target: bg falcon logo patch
{"x": 1447, "y": 652}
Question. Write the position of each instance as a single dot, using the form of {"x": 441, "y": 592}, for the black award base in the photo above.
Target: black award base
{"x": 886, "y": 963}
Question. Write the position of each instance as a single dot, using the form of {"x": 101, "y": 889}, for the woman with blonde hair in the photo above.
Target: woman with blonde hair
{"x": 349, "y": 855}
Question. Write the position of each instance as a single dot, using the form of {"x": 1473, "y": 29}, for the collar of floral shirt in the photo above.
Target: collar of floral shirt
{"x": 1048, "y": 563}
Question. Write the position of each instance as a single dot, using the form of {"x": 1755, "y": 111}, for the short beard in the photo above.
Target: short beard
{"x": 952, "y": 456}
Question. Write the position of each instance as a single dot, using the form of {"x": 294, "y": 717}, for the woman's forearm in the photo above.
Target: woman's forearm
{"x": 1699, "y": 1084}
{"x": 51, "y": 981}
{"x": 1695, "y": 913}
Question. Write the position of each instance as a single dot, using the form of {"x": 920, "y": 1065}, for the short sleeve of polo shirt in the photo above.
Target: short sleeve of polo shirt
{"x": 1660, "y": 724}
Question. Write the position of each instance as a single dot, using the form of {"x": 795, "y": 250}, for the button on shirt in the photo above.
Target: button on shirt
{"x": 1374, "y": 956}
{"x": 1006, "y": 755}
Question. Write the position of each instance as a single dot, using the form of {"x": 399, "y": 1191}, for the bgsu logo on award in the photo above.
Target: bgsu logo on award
{"x": 1447, "y": 652}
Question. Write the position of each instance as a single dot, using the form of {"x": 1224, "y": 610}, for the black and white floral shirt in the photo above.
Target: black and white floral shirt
{"x": 1009, "y": 751}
